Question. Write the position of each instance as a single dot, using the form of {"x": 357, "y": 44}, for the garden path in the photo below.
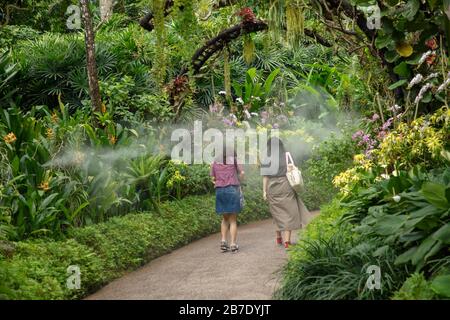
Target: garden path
{"x": 200, "y": 271}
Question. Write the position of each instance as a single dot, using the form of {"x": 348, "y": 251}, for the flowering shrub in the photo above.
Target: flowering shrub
{"x": 422, "y": 142}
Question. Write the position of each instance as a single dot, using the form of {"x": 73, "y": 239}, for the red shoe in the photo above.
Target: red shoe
{"x": 280, "y": 241}
{"x": 287, "y": 244}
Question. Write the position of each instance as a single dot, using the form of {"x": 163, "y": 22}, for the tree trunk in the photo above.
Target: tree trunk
{"x": 106, "y": 9}
{"x": 94, "y": 89}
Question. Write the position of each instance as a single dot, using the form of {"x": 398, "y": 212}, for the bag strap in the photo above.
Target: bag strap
{"x": 289, "y": 158}
{"x": 236, "y": 168}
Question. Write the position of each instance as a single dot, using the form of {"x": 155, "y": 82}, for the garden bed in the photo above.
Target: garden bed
{"x": 37, "y": 269}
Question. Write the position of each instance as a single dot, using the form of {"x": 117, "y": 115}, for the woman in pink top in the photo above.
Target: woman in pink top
{"x": 224, "y": 172}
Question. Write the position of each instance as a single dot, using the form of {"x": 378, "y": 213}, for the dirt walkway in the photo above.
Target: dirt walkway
{"x": 200, "y": 271}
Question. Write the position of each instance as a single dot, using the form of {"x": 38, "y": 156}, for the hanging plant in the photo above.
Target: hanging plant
{"x": 295, "y": 22}
{"x": 276, "y": 18}
{"x": 227, "y": 74}
{"x": 160, "y": 62}
{"x": 249, "y": 49}
{"x": 186, "y": 18}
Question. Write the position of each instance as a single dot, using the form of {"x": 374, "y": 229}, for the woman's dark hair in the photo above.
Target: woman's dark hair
{"x": 278, "y": 148}
{"x": 278, "y": 143}
{"x": 223, "y": 156}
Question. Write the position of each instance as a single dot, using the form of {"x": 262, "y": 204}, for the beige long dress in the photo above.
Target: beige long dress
{"x": 287, "y": 209}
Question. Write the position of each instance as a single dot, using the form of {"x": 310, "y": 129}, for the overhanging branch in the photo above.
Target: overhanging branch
{"x": 217, "y": 43}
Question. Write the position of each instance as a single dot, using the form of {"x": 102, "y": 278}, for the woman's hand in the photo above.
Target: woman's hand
{"x": 265, "y": 184}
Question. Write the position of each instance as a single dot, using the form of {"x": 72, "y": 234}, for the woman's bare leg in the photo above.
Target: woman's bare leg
{"x": 224, "y": 226}
{"x": 287, "y": 236}
{"x": 233, "y": 228}
{"x": 278, "y": 234}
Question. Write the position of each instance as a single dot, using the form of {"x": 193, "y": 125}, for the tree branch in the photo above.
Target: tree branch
{"x": 313, "y": 34}
{"x": 9, "y": 8}
{"x": 217, "y": 43}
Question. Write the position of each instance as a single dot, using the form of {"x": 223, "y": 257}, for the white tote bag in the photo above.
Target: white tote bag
{"x": 293, "y": 173}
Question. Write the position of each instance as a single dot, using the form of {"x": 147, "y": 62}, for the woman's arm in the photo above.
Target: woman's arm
{"x": 265, "y": 181}
{"x": 241, "y": 171}
{"x": 212, "y": 174}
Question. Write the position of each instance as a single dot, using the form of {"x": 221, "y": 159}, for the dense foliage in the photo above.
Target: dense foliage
{"x": 395, "y": 211}
{"x": 357, "y": 90}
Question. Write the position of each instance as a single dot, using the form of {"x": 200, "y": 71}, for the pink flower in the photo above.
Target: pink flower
{"x": 375, "y": 117}
{"x": 357, "y": 134}
{"x": 387, "y": 124}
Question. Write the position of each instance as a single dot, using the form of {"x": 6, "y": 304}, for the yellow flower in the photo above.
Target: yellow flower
{"x": 103, "y": 108}
{"x": 112, "y": 139}
{"x": 44, "y": 186}
{"x": 10, "y": 138}
{"x": 54, "y": 117}
{"x": 50, "y": 134}
{"x": 359, "y": 158}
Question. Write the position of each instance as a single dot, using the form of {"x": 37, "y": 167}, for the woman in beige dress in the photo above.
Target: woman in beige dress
{"x": 287, "y": 209}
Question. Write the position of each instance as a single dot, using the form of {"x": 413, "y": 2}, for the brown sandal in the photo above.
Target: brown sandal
{"x": 224, "y": 246}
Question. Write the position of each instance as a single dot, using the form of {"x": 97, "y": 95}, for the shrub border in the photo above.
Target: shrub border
{"x": 37, "y": 269}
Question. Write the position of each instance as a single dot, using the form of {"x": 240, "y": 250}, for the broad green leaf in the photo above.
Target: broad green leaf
{"x": 382, "y": 41}
{"x": 269, "y": 80}
{"x": 237, "y": 88}
{"x": 443, "y": 234}
{"x": 424, "y": 212}
{"x": 251, "y": 75}
{"x": 391, "y": 56}
{"x": 402, "y": 70}
{"x": 248, "y": 92}
{"x": 15, "y": 164}
{"x": 389, "y": 224}
{"x": 434, "y": 193}
{"x": 413, "y": 222}
{"x": 257, "y": 90}
{"x": 435, "y": 249}
{"x": 427, "y": 97}
{"x": 441, "y": 285}
{"x": 78, "y": 210}
{"x": 412, "y": 236}
{"x": 380, "y": 251}
{"x": 432, "y": 3}
{"x": 397, "y": 84}
{"x": 406, "y": 256}
{"x": 423, "y": 250}
{"x": 91, "y": 133}
{"x": 47, "y": 201}
{"x": 411, "y": 8}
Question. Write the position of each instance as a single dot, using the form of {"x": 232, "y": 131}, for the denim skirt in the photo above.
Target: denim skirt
{"x": 228, "y": 199}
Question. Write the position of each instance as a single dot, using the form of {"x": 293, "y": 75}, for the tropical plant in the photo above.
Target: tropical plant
{"x": 253, "y": 93}
{"x": 7, "y": 71}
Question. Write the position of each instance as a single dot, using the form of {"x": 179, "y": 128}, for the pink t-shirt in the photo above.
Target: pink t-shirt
{"x": 225, "y": 174}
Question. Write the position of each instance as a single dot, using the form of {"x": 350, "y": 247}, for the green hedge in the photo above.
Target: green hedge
{"x": 330, "y": 262}
{"x": 328, "y": 159}
{"x": 37, "y": 269}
